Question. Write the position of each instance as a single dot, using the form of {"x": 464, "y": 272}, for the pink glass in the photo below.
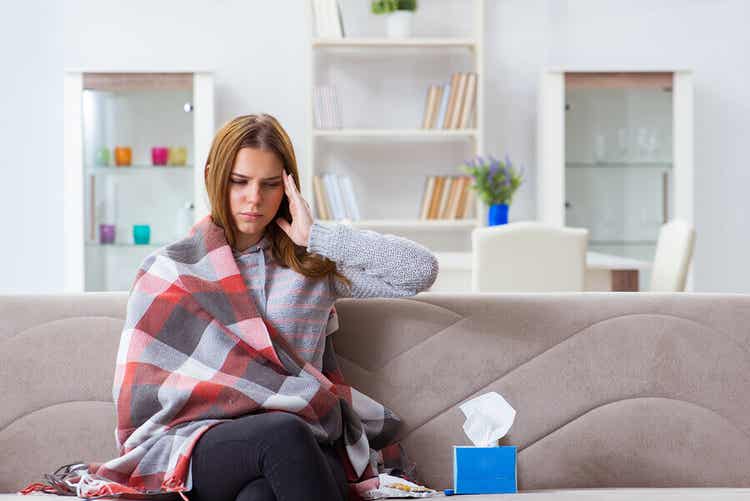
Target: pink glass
{"x": 159, "y": 155}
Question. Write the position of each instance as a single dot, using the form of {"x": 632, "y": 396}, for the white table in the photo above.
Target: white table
{"x": 604, "y": 272}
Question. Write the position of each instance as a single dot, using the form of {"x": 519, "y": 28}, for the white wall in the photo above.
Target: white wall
{"x": 31, "y": 146}
{"x": 259, "y": 54}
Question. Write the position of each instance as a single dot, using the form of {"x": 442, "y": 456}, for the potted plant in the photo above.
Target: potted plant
{"x": 495, "y": 183}
{"x": 399, "y": 16}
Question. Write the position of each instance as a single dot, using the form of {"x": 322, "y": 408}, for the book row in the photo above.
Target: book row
{"x": 444, "y": 197}
{"x": 451, "y": 105}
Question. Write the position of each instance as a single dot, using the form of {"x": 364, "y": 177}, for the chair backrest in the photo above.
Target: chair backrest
{"x": 528, "y": 257}
{"x": 674, "y": 250}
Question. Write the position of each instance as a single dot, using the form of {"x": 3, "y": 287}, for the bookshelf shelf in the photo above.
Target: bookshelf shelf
{"x": 417, "y": 224}
{"x": 326, "y": 43}
{"x": 397, "y": 134}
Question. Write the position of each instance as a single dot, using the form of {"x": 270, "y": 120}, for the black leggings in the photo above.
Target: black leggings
{"x": 265, "y": 457}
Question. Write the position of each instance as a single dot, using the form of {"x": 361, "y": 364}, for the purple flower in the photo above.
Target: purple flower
{"x": 494, "y": 165}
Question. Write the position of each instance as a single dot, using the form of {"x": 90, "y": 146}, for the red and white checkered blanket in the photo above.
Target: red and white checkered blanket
{"x": 194, "y": 352}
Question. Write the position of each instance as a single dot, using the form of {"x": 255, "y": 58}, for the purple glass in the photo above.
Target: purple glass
{"x": 106, "y": 233}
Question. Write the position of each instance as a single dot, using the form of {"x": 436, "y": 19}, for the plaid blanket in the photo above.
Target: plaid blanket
{"x": 194, "y": 352}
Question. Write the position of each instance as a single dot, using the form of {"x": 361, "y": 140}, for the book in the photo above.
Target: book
{"x": 470, "y": 206}
{"x": 450, "y": 190}
{"x": 447, "y": 181}
{"x": 329, "y": 22}
{"x": 319, "y": 17}
{"x": 452, "y": 209}
{"x": 443, "y": 105}
{"x": 460, "y": 98}
{"x": 328, "y": 181}
{"x": 320, "y": 198}
{"x": 350, "y": 200}
{"x": 340, "y": 17}
{"x": 429, "y": 188}
{"x": 451, "y": 101}
{"x": 317, "y": 109}
{"x": 436, "y": 197}
{"x": 469, "y": 100}
{"x": 327, "y": 107}
{"x": 436, "y": 106}
{"x": 336, "y": 105}
{"x": 460, "y": 208}
{"x": 428, "y": 107}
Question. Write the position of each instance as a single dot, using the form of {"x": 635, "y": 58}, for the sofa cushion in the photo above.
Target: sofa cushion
{"x": 631, "y": 390}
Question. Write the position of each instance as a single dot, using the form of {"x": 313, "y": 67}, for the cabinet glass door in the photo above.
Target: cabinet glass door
{"x": 618, "y": 159}
{"x": 137, "y": 152}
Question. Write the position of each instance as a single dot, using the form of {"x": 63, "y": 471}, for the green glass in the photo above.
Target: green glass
{"x": 102, "y": 156}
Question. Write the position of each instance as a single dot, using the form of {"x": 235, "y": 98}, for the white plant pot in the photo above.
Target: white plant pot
{"x": 400, "y": 24}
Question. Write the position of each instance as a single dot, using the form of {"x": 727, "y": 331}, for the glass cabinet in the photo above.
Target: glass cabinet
{"x": 616, "y": 156}
{"x": 135, "y": 150}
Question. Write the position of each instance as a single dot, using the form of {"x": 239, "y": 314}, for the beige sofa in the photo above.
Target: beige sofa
{"x": 619, "y": 396}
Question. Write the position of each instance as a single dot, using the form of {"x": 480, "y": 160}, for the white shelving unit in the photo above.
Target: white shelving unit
{"x": 354, "y": 47}
{"x": 142, "y": 109}
{"x": 593, "y": 169}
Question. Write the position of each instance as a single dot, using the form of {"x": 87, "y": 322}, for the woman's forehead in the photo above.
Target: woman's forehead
{"x": 253, "y": 162}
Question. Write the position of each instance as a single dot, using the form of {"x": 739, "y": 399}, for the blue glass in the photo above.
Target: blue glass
{"x": 141, "y": 234}
{"x": 498, "y": 214}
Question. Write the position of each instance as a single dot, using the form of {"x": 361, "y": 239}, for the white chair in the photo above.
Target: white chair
{"x": 674, "y": 250}
{"x": 528, "y": 257}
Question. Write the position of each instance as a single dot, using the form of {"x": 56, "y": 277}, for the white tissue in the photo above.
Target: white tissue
{"x": 488, "y": 418}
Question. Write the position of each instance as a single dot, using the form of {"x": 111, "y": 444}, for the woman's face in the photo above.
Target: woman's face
{"x": 255, "y": 186}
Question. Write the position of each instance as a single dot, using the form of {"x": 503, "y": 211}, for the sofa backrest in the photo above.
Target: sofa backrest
{"x": 610, "y": 390}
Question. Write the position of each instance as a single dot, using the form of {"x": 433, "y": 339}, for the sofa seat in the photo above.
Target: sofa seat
{"x": 619, "y": 494}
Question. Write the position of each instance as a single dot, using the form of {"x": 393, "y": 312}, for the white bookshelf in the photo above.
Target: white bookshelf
{"x": 472, "y": 45}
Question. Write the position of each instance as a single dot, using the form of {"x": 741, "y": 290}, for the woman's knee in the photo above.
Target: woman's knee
{"x": 288, "y": 428}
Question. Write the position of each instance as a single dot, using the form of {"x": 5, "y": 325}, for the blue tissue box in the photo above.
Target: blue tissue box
{"x": 484, "y": 470}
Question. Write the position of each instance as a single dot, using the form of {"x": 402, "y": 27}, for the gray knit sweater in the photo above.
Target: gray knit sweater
{"x": 378, "y": 265}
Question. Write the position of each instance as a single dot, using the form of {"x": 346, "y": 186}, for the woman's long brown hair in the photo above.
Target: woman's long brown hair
{"x": 263, "y": 132}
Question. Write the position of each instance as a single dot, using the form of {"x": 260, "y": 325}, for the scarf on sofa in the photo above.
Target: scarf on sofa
{"x": 193, "y": 353}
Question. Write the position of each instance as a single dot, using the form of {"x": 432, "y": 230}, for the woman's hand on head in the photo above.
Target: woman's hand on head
{"x": 302, "y": 218}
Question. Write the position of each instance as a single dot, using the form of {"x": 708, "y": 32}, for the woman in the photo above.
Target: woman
{"x": 252, "y": 181}
{"x": 226, "y": 385}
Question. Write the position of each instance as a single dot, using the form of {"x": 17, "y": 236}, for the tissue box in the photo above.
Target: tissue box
{"x": 484, "y": 470}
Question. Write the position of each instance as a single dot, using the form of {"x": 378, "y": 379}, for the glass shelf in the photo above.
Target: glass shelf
{"x": 113, "y": 169}
{"x": 622, "y": 242}
{"x": 619, "y": 165}
{"x": 97, "y": 244}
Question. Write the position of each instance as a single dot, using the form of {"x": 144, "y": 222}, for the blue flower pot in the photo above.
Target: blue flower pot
{"x": 498, "y": 214}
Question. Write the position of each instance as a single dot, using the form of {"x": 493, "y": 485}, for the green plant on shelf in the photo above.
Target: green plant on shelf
{"x": 494, "y": 181}
{"x": 388, "y": 6}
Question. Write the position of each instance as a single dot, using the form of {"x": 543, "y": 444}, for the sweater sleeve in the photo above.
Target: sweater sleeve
{"x": 378, "y": 265}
